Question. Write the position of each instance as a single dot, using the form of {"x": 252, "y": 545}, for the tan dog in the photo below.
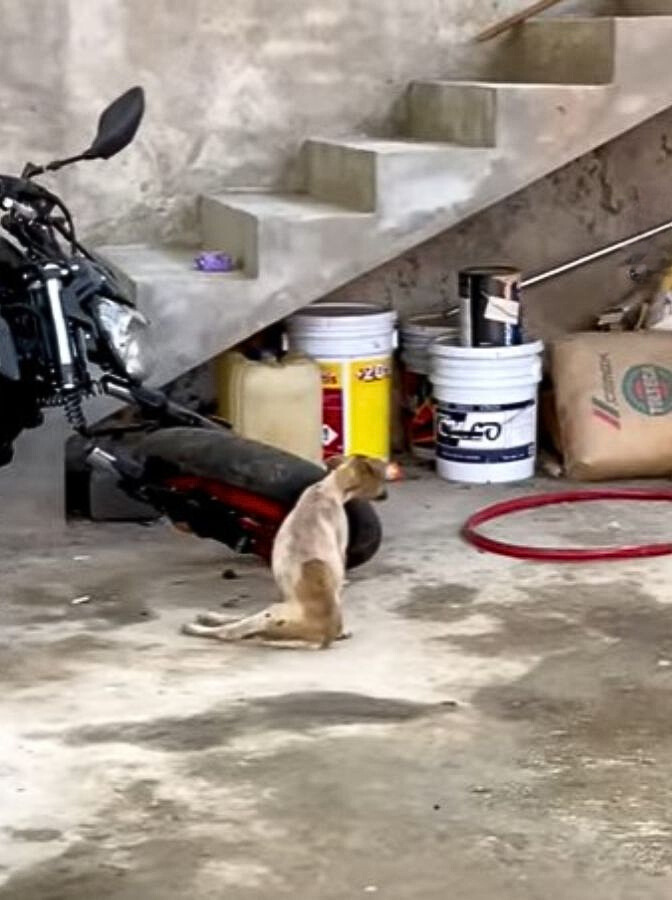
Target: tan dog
{"x": 308, "y": 563}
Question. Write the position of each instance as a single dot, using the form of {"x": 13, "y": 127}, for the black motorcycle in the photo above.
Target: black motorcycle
{"x": 69, "y": 330}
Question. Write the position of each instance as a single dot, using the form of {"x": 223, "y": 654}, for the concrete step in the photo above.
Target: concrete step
{"x": 391, "y": 177}
{"x": 613, "y": 8}
{"x": 521, "y": 115}
{"x": 544, "y": 51}
{"x": 266, "y": 232}
{"x": 187, "y": 308}
{"x": 639, "y": 42}
{"x": 641, "y": 8}
{"x": 562, "y": 49}
{"x": 482, "y": 114}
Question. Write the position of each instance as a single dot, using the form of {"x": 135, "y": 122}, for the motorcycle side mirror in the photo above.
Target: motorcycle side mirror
{"x": 117, "y": 125}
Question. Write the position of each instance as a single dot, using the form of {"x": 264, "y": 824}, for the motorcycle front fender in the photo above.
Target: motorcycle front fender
{"x": 9, "y": 361}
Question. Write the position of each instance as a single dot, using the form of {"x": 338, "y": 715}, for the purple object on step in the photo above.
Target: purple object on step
{"x": 214, "y": 261}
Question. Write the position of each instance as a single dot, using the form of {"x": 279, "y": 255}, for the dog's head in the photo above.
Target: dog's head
{"x": 360, "y": 476}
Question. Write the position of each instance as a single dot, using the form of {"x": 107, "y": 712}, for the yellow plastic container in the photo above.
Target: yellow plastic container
{"x": 276, "y": 402}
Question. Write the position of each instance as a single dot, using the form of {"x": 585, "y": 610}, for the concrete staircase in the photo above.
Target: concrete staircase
{"x": 549, "y": 92}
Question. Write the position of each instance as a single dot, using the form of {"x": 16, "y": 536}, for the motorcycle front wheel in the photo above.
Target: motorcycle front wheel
{"x": 217, "y": 483}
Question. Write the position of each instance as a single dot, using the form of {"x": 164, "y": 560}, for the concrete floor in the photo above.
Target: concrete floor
{"x": 495, "y": 730}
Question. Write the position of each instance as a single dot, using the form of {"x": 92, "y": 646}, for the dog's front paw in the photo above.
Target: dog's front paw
{"x": 344, "y": 636}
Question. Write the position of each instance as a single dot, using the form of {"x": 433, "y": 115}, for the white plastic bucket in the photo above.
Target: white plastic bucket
{"x": 416, "y": 335}
{"x": 353, "y": 344}
{"x": 418, "y": 332}
{"x": 486, "y": 416}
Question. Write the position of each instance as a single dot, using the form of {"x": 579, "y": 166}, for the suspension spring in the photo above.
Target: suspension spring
{"x": 74, "y": 413}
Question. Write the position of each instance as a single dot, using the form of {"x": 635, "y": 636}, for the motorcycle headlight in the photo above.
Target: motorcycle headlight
{"x": 128, "y": 336}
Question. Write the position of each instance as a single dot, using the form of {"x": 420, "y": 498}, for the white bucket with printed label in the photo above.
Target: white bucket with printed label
{"x": 353, "y": 345}
{"x": 486, "y": 411}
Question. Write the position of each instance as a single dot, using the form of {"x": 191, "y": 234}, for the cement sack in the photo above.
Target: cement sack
{"x": 613, "y": 395}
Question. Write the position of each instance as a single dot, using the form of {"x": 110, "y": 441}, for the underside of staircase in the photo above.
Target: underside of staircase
{"x": 547, "y": 93}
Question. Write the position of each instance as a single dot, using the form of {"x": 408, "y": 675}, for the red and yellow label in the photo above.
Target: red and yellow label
{"x": 331, "y": 375}
{"x": 333, "y": 434}
{"x": 356, "y": 397}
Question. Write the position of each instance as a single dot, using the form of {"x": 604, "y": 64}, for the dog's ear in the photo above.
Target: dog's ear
{"x": 377, "y": 467}
{"x": 334, "y": 462}
{"x": 368, "y": 466}
{"x": 363, "y": 477}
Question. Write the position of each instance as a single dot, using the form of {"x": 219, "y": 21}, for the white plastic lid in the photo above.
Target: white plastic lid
{"x": 431, "y": 323}
{"x": 340, "y": 313}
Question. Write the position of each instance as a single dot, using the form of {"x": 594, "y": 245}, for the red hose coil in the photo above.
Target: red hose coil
{"x": 564, "y": 554}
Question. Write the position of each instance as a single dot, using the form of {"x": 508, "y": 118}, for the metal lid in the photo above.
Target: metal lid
{"x": 490, "y": 270}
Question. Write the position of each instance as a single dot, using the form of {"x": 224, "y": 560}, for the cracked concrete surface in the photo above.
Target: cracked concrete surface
{"x": 494, "y": 729}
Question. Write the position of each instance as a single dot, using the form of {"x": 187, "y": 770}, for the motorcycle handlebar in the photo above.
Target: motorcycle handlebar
{"x": 21, "y": 190}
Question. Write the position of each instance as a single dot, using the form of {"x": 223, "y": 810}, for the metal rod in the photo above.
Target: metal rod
{"x": 591, "y": 257}
{"x": 516, "y": 19}
{"x": 116, "y": 390}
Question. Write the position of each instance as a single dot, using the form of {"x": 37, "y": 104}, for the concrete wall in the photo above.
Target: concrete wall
{"x": 232, "y": 88}
{"x": 619, "y": 189}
